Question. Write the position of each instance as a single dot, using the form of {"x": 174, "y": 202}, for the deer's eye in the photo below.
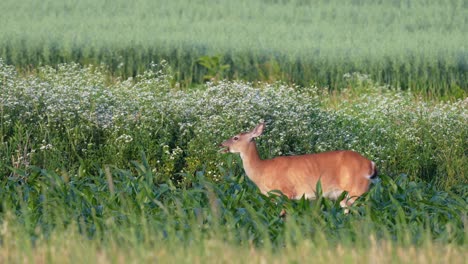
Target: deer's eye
{"x": 236, "y": 138}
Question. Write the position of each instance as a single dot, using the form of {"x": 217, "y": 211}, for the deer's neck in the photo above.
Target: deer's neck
{"x": 252, "y": 162}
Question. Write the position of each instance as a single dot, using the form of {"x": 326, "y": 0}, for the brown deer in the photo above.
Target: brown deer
{"x": 297, "y": 176}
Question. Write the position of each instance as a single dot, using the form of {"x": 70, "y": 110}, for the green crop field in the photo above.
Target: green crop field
{"x": 418, "y": 45}
{"x": 112, "y": 112}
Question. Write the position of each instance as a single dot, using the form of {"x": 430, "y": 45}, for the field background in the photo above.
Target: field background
{"x": 110, "y": 132}
{"x": 419, "y": 45}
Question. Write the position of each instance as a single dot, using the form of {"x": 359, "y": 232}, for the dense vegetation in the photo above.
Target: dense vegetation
{"x": 107, "y": 157}
{"x": 419, "y": 45}
{"x": 107, "y": 170}
{"x": 76, "y": 117}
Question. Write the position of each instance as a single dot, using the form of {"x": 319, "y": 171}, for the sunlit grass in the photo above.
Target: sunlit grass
{"x": 71, "y": 247}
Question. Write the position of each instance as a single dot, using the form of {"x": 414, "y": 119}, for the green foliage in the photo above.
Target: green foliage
{"x": 215, "y": 69}
{"x": 417, "y": 45}
{"x": 128, "y": 206}
{"x": 74, "y": 118}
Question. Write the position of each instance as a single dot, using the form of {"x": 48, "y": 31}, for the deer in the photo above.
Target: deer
{"x": 296, "y": 176}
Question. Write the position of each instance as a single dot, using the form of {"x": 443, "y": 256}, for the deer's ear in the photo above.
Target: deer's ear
{"x": 257, "y": 131}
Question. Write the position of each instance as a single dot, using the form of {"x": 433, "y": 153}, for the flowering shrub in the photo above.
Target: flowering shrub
{"x": 78, "y": 118}
{"x": 408, "y": 134}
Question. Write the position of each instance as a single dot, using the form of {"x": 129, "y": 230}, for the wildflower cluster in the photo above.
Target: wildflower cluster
{"x": 77, "y": 117}
{"x": 404, "y": 133}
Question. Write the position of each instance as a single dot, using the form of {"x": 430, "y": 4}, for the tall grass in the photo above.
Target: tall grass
{"x": 417, "y": 44}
